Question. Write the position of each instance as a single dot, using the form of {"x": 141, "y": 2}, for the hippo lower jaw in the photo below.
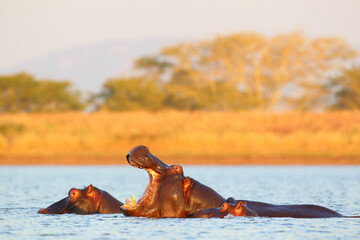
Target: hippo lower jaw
{"x": 147, "y": 195}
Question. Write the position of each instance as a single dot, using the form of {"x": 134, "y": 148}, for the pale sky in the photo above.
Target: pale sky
{"x": 33, "y": 28}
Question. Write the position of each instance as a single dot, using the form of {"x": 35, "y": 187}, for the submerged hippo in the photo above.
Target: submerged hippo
{"x": 168, "y": 193}
{"x": 238, "y": 210}
{"x": 294, "y": 211}
{"x": 89, "y": 200}
{"x": 260, "y": 209}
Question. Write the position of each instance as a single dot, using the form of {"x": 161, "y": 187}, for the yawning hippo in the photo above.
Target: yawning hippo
{"x": 168, "y": 193}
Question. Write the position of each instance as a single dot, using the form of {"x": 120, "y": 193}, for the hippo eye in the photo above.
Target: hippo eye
{"x": 176, "y": 168}
{"x": 223, "y": 206}
{"x": 73, "y": 193}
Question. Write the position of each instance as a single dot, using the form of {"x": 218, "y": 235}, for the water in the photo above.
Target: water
{"x": 24, "y": 190}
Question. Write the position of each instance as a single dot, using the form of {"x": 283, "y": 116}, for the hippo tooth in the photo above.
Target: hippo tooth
{"x": 133, "y": 202}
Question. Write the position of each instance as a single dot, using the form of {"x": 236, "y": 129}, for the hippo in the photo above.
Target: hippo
{"x": 168, "y": 193}
{"x": 294, "y": 211}
{"x": 226, "y": 208}
{"x": 90, "y": 200}
{"x": 260, "y": 209}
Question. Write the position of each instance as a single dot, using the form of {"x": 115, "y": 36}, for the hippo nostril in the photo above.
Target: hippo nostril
{"x": 128, "y": 159}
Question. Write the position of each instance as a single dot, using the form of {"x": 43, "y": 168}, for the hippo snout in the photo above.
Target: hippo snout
{"x": 43, "y": 211}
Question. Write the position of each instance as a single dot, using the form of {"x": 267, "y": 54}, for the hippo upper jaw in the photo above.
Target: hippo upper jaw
{"x": 141, "y": 157}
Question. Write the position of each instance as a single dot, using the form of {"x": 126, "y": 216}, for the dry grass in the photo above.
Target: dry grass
{"x": 185, "y": 137}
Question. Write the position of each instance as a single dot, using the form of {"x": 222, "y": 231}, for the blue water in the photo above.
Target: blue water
{"x": 24, "y": 190}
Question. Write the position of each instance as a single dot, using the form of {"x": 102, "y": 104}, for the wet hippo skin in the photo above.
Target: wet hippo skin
{"x": 260, "y": 209}
{"x": 294, "y": 211}
{"x": 168, "y": 193}
{"x": 90, "y": 200}
{"x": 226, "y": 209}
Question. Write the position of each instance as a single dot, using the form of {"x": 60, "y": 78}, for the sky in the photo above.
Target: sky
{"x": 31, "y": 29}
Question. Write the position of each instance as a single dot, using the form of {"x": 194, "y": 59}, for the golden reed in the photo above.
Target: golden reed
{"x": 184, "y": 137}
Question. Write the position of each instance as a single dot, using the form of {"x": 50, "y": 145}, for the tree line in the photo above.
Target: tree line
{"x": 24, "y": 93}
{"x": 245, "y": 71}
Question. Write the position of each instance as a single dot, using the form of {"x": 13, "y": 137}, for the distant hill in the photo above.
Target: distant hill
{"x": 88, "y": 67}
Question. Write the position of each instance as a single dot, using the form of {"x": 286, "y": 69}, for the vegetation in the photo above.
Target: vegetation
{"x": 10, "y": 130}
{"x": 129, "y": 94}
{"x": 244, "y": 71}
{"x": 23, "y": 93}
{"x": 347, "y": 89}
{"x": 241, "y": 72}
{"x": 214, "y": 101}
{"x": 186, "y": 137}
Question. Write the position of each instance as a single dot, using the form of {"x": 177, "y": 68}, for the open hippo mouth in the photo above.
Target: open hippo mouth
{"x": 169, "y": 193}
{"x": 141, "y": 157}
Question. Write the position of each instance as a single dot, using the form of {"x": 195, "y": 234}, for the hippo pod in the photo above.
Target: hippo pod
{"x": 90, "y": 200}
{"x": 226, "y": 209}
{"x": 168, "y": 193}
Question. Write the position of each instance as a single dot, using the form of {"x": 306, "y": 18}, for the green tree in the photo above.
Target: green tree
{"x": 153, "y": 66}
{"x": 17, "y": 92}
{"x": 130, "y": 94}
{"x": 183, "y": 92}
{"x": 23, "y": 93}
{"x": 256, "y": 70}
{"x": 54, "y": 96}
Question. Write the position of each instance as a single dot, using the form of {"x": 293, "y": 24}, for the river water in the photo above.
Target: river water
{"x": 24, "y": 190}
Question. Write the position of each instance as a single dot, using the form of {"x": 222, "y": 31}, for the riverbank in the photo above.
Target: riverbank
{"x": 25, "y": 160}
{"x": 182, "y": 137}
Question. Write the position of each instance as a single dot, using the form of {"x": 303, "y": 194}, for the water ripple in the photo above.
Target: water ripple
{"x": 28, "y": 189}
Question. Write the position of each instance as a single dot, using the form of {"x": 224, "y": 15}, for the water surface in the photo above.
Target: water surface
{"x": 24, "y": 190}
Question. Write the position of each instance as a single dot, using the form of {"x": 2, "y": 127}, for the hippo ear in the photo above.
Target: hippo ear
{"x": 187, "y": 182}
{"x": 90, "y": 189}
{"x": 239, "y": 205}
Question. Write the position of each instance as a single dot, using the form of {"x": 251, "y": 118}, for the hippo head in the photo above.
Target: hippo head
{"x": 219, "y": 212}
{"x": 164, "y": 192}
{"x": 239, "y": 209}
{"x": 80, "y": 201}
{"x": 141, "y": 157}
